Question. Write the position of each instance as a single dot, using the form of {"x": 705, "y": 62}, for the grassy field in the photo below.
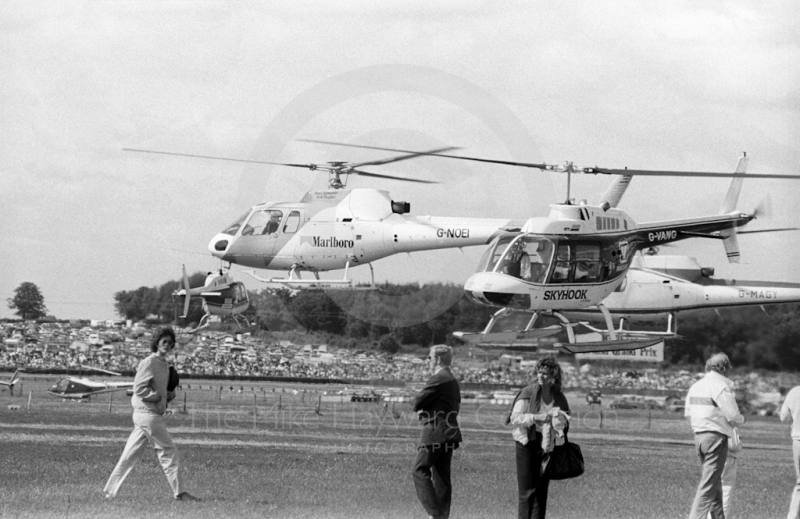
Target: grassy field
{"x": 275, "y": 451}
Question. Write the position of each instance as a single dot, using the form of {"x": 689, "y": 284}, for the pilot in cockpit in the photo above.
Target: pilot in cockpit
{"x": 272, "y": 224}
{"x": 517, "y": 263}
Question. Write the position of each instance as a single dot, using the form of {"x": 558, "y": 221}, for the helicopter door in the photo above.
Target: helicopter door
{"x": 260, "y": 233}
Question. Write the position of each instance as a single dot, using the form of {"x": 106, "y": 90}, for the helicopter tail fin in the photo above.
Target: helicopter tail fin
{"x": 732, "y": 197}
{"x": 614, "y": 193}
{"x": 731, "y": 243}
{"x": 187, "y": 289}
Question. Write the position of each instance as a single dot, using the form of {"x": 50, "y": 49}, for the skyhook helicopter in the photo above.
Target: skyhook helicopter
{"x": 579, "y": 255}
{"x": 82, "y": 388}
{"x": 221, "y": 296}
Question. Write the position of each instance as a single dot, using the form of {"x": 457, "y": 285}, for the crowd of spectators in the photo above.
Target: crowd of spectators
{"x": 76, "y": 347}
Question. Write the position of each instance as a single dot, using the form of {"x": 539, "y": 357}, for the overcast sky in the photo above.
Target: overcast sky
{"x": 671, "y": 85}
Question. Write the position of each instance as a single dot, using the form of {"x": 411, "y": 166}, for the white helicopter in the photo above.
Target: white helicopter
{"x": 663, "y": 286}
{"x": 339, "y": 228}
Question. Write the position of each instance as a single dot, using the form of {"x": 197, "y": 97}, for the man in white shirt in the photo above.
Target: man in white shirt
{"x": 791, "y": 407}
{"x": 712, "y": 410}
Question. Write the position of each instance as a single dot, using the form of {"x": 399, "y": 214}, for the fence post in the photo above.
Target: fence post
{"x": 649, "y": 416}
{"x": 184, "y": 403}
{"x": 255, "y": 411}
{"x": 319, "y": 405}
{"x": 601, "y": 418}
{"x": 30, "y": 395}
{"x": 110, "y": 398}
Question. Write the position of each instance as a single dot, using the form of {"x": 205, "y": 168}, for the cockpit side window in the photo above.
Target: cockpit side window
{"x": 577, "y": 263}
{"x": 263, "y": 222}
{"x": 561, "y": 271}
{"x": 587, "y": 263}
{"x": 490, "y": 258}
{"x": 232, "y": 228}
{"x": 292, "y": 222}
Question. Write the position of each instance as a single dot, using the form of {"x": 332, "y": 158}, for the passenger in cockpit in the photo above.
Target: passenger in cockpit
{"x": 537, "y": 270}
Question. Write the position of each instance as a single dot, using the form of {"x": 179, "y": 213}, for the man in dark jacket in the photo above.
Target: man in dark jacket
{"x": 437, "y": 407}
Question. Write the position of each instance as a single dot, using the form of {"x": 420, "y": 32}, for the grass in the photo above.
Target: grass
{"x": 354, "y": 460}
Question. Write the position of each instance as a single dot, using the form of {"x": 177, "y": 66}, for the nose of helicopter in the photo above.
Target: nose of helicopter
{"x": 219, "y": 245}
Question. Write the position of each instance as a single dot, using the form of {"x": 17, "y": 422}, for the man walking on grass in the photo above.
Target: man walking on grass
{"x": 712, "y": 410}
{"x": 437, "y": 407}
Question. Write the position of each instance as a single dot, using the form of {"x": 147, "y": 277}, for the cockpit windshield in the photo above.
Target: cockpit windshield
{"x": 232, "y": 228}
{"x": 263, "y": 222}
{"x": 526, "y": 257}
{"x": 492, "y": 254}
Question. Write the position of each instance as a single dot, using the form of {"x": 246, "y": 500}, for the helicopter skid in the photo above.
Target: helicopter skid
{"x": 609, "y": 345}
{"x": 506, "y": 337}
{"x": 317, "y": 284}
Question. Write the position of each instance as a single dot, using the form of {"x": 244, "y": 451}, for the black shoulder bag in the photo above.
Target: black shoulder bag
{"x": 566, "y": 461}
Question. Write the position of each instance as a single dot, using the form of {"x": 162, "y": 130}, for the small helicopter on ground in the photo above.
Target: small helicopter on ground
{"x": 12, "y": 382}
{"x": 82, "y": 388}
{"x": 221, "y": 296}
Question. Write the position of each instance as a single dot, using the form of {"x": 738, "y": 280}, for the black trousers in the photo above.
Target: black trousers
{"x": 431, "y": 475}
{"x": 532, "y": 488}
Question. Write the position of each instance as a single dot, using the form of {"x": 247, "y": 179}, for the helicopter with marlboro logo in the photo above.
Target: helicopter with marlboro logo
{"x": 578, "y": 255}
{"x": 340, "y": 228}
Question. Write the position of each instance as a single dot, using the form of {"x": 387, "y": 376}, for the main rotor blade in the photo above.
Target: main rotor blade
{"x": 548, "y": 167}
{"x": 655, "y": 173}
{"x": 769, "y": 230}
{"x": 434, "y": 154}
{"x": 405, "y": 179}
{"x": 307, "y": 166}
{"x": 404, "y": 157}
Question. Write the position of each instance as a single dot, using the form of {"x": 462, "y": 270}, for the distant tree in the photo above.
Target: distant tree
{"x": 388, "y": 344}
{"x": 28, "y": 301}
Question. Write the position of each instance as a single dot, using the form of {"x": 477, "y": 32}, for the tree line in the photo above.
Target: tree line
{"x": 408, "y": 314}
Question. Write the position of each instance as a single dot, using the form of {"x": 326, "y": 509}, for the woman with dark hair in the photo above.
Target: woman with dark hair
{"x": 149, "y": 400}
{"x": 533, "y": 413}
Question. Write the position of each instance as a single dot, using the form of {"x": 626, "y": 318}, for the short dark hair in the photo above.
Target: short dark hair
{"x": 165, "y": 331}
{"x": 550, "y": 365}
